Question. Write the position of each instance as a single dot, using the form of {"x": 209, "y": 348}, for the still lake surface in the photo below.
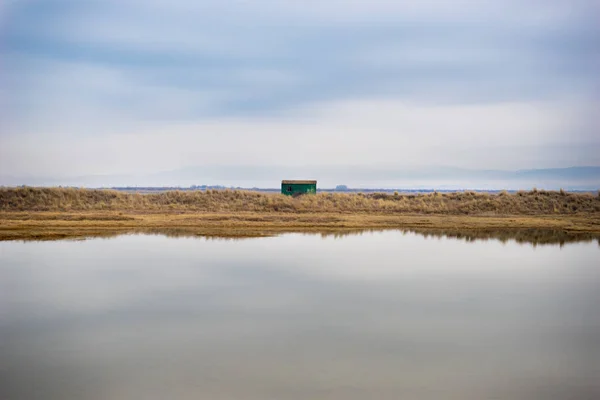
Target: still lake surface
{"x": 382, "y": 315}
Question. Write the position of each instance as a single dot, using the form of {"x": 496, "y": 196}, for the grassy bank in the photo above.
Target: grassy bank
{"x": 46, "y": 213}
{"x": 53, "y": 225}
{"x": 230, "y": 201}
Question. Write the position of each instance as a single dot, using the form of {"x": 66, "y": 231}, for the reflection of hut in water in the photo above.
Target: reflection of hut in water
{"x": 294, "y": 188}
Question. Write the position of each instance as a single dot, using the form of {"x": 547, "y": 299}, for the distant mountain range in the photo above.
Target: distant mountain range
{"x": 580, "y": 178}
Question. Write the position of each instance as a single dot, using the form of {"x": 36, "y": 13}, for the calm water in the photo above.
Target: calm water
{"x": 376, "y": 316}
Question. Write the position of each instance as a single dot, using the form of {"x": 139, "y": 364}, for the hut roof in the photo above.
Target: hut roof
{"x": 288, "y": 182}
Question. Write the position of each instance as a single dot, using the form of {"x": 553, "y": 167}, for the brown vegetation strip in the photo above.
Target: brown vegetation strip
{"x": 20, "y": 226}
{"x": 228, "y": 201}
{"x": 61, "y": 212}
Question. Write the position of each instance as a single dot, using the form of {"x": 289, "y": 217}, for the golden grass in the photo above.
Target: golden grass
{"x": 36, "y": 225}
{"x": 230, "y": 201}
{"x": 46, "y": 213}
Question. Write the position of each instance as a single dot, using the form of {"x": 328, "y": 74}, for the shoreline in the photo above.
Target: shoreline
{"x": 76, "y": 225}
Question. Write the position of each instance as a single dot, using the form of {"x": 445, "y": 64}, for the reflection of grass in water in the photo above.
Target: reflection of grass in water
{"x": 525, "y": 236}
{"x": 531, "y": 236}
{"x": 534, "y": 237}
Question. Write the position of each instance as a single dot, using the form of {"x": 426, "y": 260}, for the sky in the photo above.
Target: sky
{"x": 137, "y": 87}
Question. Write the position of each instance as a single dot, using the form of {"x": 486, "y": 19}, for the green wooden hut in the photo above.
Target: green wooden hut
{"x": 294, "y": 188}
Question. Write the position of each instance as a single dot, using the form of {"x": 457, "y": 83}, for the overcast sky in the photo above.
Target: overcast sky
{"x": 141, "y": 86}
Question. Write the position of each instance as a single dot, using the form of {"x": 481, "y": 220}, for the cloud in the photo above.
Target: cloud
{"x": 360, "y": 132}
{"x": 485, "y": 51}
{"x": 150, "y": 85}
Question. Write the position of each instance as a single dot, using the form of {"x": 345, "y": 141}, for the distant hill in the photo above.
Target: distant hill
{"x": 581, "y": 173}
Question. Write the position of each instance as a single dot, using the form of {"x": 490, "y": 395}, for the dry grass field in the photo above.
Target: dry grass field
{"x": 46, "y": 213}
{"x": 535, "y": 202}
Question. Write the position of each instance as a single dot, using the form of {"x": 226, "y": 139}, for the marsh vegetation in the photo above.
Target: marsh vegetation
{"x": 47, "y": 213}
{"x": 535, "y": 202}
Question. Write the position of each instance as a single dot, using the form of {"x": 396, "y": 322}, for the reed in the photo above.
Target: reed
{"x": 535, "y": 202}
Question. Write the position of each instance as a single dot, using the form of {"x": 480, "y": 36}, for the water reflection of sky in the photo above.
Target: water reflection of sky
{"x": 377, "y": 315}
